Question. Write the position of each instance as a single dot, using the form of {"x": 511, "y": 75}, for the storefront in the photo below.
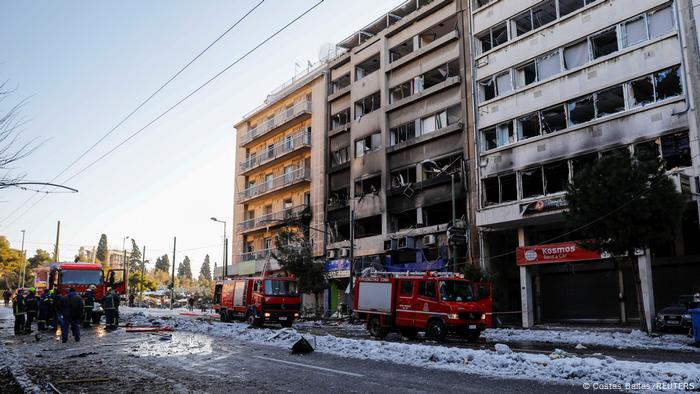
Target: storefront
{"x": 336, "y": 298}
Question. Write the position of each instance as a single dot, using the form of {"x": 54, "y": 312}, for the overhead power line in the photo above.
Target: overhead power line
{"x": 144, "y": 102}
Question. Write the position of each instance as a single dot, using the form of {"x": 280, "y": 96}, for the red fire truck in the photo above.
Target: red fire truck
{"x": 63, "y": 276}
{"x": 436, "y": 303}
{"x": 258, "y": 300}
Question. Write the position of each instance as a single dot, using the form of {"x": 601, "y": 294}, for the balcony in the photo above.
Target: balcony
{"x": 299, "y": 109}
{"x": 278, "y": 150}
{"x": 257, "y": 255}
{"x": 299, "y": 212}
{"x": 280, "y": 182}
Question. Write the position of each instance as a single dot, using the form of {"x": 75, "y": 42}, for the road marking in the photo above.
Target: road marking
{"x": 310, "y": 366}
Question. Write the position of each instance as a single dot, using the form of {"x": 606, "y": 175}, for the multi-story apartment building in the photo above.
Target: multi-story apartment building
{"x": 396, "y": 138}
{"x": 557, "y": 84}
{"x": 115, "y": 257}
{"x": 279, "y": 175}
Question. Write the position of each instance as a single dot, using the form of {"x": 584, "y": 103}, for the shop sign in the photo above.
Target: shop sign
{"x": 338, "y": 274}
{"x": 246, "y": 268}
{"x": 555, "y": 253}
{"x": 551, "y": 204}
{"x": 336, "y": 265}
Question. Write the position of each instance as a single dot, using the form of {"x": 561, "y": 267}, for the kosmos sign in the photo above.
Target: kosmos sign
{"x": 554, "y": 253}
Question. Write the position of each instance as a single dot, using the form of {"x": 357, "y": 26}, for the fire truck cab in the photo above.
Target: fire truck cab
{"x": 435, "y": 303}
{"x": 258, "y": 300}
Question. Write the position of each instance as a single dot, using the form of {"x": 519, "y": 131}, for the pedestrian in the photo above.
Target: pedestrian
{"x": 43, "y": 314}
{"x": 71, "y": 307}
{"x": 89, "y": 305}
{"x": 19, "y": 308}
{"x": 131, "y": 300}
{"x": 32, "y": 309}
{"x": 110, "y": 303}
{"x": 6, "y": 295}
{"x": 190, "y": 302}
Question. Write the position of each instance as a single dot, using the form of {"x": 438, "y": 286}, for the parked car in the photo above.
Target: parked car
{"x": 676, "y": 316}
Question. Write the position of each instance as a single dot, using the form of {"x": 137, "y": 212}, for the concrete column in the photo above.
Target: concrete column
{"x": 621, "y": 294}
{"x": 419, "y": 217}
{"x": 525, "y": 288}
{"x": 645, "y": 277}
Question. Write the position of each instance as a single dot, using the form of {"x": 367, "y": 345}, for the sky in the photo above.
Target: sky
{"x": 82, "y": 66}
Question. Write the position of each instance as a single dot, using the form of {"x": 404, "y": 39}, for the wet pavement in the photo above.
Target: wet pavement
{"x": 181, "y": 362}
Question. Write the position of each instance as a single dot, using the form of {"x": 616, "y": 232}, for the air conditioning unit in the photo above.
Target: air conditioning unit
{"x": 406, "y": 243}
{"x": 332, "y": 254}
{"x": 344, "y": 252}
{"x": 429, "y": 240}
{"x": 390, "y": 244}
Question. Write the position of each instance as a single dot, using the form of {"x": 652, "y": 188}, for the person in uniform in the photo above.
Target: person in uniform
{"x": 71, "y": 307}
{"x": 110, "y": 303}
{"x": 43, "y": 311}
{"x": 19, "y": 308}
{"x": 88, "y": 306}
{"x": 32, "y": 309}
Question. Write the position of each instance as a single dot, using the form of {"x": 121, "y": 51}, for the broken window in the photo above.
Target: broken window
{"x": 635, "y": 31}
{"x": 522, "y": 23}
{"x": 340, "y": 83}
{"x": 401, "y": 133}
{"x": 556, "y": 177}
{"x": 576, "y": 55}
{"x": 553, "y": 119}
{"x": 623, "y": 151}
{"x": 367, "y": 186}
{"x": 443, "y": 166}
{"x": 340, "y": 119}
{"x": 403, "y": 177}
{"x": 580, "y": 163}
{"x": 367, "y": 105}
{"x": 454, "y": 114}
{"x": 675, "y": 150}
{"x": 509, "y": 187}
{"x": 367, "y": 227}
{"x": 642, "y": 91}
{"x": 439, "y": 74}
{"x": 648, "y": 150}
{"x": 488, "y": 89}
{"x": 489, "y": 139}
{"x": 531, "y": 181}
{"x": 493, "y": 37}
{"x": 610, "y": 101}
{"x": 660, "y": 21}
{"x": 604, "y": 43}
{"x": 544, "y": 13}
{"x": 581, "y": 110}
{"x": 668, "y": 83}
{"x": 504, "y": 134}
{"x": 340, "y": 156}
{"x": 503, "y": 83}
{"x": 481, "y": 3}
{"x": 370, "y": 143}
{"x": 401, "y": 50}
{"x": 401, "y": 91}
{"x": 525, "y": 74}
{"x": 529, "y": 126}
{"x": 548, "y": 65}
{"x": 433, "y": 122}
{"x": 367, "y": 67}
{"x": 568, "y": 6}
{"x": 491, "y": 191}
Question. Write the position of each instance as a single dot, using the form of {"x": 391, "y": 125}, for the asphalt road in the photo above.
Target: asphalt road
{"x": 193, "y": 363}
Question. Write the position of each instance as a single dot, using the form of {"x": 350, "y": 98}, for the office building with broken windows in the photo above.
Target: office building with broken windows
{"x": 558, "y": 84}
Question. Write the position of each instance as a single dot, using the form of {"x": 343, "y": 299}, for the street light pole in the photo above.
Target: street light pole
{"x": 24, "y": 260}
{"x": 454, "y": 221}
{"x": 125, "y": 264}
{"x": 143, "y": 268}
{"x": 225, "y": 257}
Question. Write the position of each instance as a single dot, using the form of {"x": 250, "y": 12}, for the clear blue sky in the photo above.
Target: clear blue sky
{"x": 84, "y": 65}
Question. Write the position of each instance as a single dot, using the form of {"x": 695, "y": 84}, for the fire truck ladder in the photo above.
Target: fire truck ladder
{"x": 434, "y": 274}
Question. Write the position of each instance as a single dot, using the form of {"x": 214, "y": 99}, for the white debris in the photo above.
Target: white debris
{"x": 579, "y": 346}
{"x": 564, "y": 367}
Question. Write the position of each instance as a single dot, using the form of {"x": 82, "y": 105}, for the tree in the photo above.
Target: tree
{"x": 163, "y": 263}
{"x": 102, "y": 253}
{"x": 621, "y": 203}
{"x": 11, "y": 149}
{"x": 184, "y": 270}
{"x": 205, "y": 271}
{"x": 10, "y": 263}
{"x": 294, "y": 256}
{"x": 135, "y": 258}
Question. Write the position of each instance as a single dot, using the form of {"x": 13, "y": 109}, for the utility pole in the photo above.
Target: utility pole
{"x": 23, "y": 274}
{"x": 125, "y": 264}
{"x": 55, "y": 249}
{"x": 143, "y": 268}
{"x": 225, "y": 257}
{"x": 172, "y": 283}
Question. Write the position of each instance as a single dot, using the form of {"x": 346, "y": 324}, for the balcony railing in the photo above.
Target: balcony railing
{"x": 257, "y": 255}
{"x": 283, "y": 117}
{"x": 275, "y": 218}
{"x": 276, "y": 183}
{"x": 279, "y": 149}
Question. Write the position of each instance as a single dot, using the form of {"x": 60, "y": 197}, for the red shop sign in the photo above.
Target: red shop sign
{"x": 554, "y": 253}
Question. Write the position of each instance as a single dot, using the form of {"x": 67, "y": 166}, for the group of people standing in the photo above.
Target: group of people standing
{"x": 69, "y": 311}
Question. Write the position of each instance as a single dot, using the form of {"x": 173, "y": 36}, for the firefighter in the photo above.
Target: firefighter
{"x": 51, "y": 319}
{"x": 71, "y": 307}
{"x": 19, "y": 308}
{"x": 43, "y": 315}
{"x": 110, "y": 303}
{"x": 32, "y": 308}
{"x": 89, "y": 305}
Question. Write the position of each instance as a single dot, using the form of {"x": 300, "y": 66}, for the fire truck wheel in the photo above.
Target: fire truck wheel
{"x": 375, "y": 328}
{"x": 409, "y": 333}
{"x": 436, "y": 330}
{"x": 253, "y": 321}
